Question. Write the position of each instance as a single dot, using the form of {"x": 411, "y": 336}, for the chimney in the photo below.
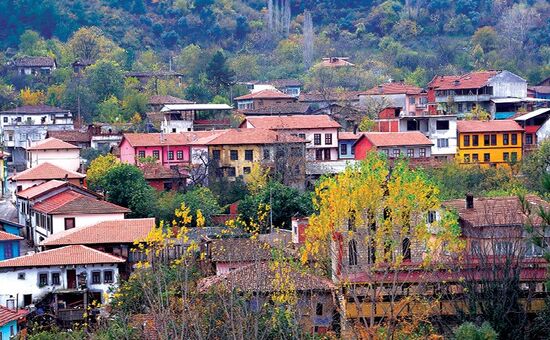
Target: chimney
{"x": 456, "y": 82}
{"x": 299, "y": 225}
{"x": 380, "y": 89}
{"x": 469, "y": 201}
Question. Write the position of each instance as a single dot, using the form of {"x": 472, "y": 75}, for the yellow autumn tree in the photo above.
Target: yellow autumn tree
{"x": 477, "y": 113}
{"x": 98, "y": 168}
{"x": 29, "y": 97}
{"x": 257, "y": 179}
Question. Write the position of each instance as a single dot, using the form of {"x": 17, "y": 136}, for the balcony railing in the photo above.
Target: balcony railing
{"x": 464, "y": 98}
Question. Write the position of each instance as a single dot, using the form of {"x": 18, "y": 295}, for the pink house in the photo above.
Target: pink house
{"x": 170, "y": 149}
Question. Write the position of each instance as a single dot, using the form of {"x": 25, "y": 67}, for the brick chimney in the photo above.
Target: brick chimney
{"x": 469, "y": 201}
{"x": 299, "y": 225}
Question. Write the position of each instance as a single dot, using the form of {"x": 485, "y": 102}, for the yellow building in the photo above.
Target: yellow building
{"x": 489, "y": 143}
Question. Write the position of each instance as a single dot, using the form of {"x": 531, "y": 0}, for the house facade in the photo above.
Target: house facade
{"x": 413, "y": 145}
{"x": 169, "y": 149}
{"x": 12, "y": 321}
{"x": 537, "y": 127}
{"x": 25, "y": 280}
{"x": 489, "y": 143}
{"x": 9, "y": 245}
{"x": 34, "y": 65}
{"x": 346, "y": 145}
{"x": 412, "y": 100}
{"x": 263, "y": 99}
{"x": 56, "y": 152}
{"x": 45, "y": 172}
{"x": 440, "y": 129}
{"x": 174, "y": 118}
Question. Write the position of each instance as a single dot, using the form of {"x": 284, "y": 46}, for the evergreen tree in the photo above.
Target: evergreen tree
{"x": 219, "y": 74}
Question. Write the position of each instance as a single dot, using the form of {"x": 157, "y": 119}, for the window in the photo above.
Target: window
{"x": 422, "y": 152}
{"x": 514, "y": 139}
{"x": 248, "y": 155}
{"x": 328, "y": 138}
{"x": 528, "y": 138}
{"x": 411, "y": 101}
{"x": 319, "y": 309}
{"x": 231, "y": 171}
{"x": 353, "y": 149}
{"x": 532, "y": 250}
{"x": 475, "y": 157}
{"x": 170, "y": 155}
{"x": 503, "y": 248}
{"x": 466, "y": 140}
{"x": 156, "y": 154}
{"x": 352, "y": 253}
{"x": 475, "y": 247}
{"x": 486, "y": 140}
{"x": 96, "y": 277}
{"x": 466, "y": 158}
{"x": 317, "y": 139}
{"x": 42, "y": 279}
{"x": 55, "y": 279}
{"x": 327, "y": 154}
{"x": 493, "y": 139}
{"x": 8, "y": 250}
{"x": 413, "y": 125}
{"x": 475, "y": 140}
{"x": 108, "y": 276}
{"x": 505, "y": 139}
{"x": 179, "y": 154}
{"x": 69, "y": 223}
{"x": 410, "y": 153}
{"x": 21, "y": 276}
{"x": 5, "y": 119}
{"x": 302, "y": 135}
{"x": 234, "y": 155}
{"x": 442, "y": 125}
{"x": 396, "y": 152}
{"x": 319, "y": 155}
{"x": 514, "y": 156}
{"x": 432, "y": 216}
{"x": 246, "y": 170}
{"x": 442, "y": 142}
{"x": 216, "y": 154}
{"x": 506, "y": 156}
{"x": 406, "y": 249}
{"x": 267, "y": 154}
{"x": 486, "y": 157}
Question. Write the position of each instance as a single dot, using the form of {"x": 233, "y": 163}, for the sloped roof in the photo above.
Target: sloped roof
{"x": 8, "y": 315}
{"x": 162, "y": 100}
{"x": 36, "y": 109}
{"x": 348, "y": 135}
{"x": 117, "y": 231}
{"x": 74, "y": 136}
{"x": 333, "y": 95}
{"x": 262, "y": 277}
{"x": 265, "y": 94}
{"x": 51, "y": 144}
{"x": 64, "y": 256}
{"x": 250, "y": 137}
{"x": 394, "y": 88}
{"x": 532, "y": 114}
{"x": 41, "y": 188}
{"x": 153, "y": 171}
{"x": 504, "y": 125}
{"x": 279, "y": 109}
{"x": 27, "y": 61}
{"x": 72, "y": 202}
{"x": 45, "y": 171}
{"x": 472, "y": 80}
{"x": 294, "y": 122}
{"x": 382, "y": 139}
{"x": 239, "y": 250}
{"x": 4, "y": 236}
{"x": 335, "y": 62}
{"x": 154, "y": 139}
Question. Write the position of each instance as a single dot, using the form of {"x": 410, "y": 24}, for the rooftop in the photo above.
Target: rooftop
{"x": 158, "y": 171}
{"x": 8, "y": 315}
{"x": 279, "y": 109}
{"x": 265, "y": 94}
{"x": 70, "y": 136}
{"x": 27, "y": 61}
{"x": 472, "y": 80}
{"x": 335, "y": 62}
{"x": 38, "y": 190}
{"x": 36, "y": 109}
{"x": 64, "y": 256}
{"x": 117, "y": 232}
{"x": 394, "y": 88}
{"x": 294, "y": 122}
{"x": 239, "y": 250}
{"x": 249, "y": 136}
{"x": 348, "y": 135}
{"x": 72, "y": 202}
{"x": 51, "y": 144}
{"x": 382, "y": 139}
{"x": 504, "y": 125}
{"x": 163, "y": 100}
{"x": 4, "y": 236}
{"x": 46, "y": 171}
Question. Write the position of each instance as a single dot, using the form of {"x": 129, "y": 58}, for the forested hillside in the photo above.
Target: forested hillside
{"x": 409, "y": 40}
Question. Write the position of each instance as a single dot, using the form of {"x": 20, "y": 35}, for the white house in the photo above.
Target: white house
{"x": 440, "y": 129}
{"x": 25, "y": 280}
{"x": 320, "y": 132}
{"x": 180, "y": 117}
{"x": 45, "y": 172}
{"x": 536, "y": 125}
{"x": 54, "y": 151}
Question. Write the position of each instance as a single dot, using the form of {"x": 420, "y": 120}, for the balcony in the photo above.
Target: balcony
{"x": 464, "y": 98}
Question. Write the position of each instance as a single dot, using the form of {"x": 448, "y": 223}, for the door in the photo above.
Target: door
{"x": 27, "y": 299}
{"x": 71, "y": 278}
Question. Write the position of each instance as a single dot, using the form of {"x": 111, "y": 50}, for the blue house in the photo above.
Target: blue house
{"x": 345, "y": 144}
{"x": 11, "y": 227}
{"x": 11, "y": 321}
{"x": 9, "y": 245}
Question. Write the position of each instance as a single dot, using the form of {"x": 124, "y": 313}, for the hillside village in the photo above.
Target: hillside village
{"x": 142, "y": 200}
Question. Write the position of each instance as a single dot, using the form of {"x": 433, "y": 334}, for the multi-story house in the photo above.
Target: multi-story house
{"x": 170, "y": 149}
{"x": 34, "y": 65}
{"x": 490, "y": 143}
{"x": 54, "y": 151}
{"x": 537, "y": 127}
{"x": 262, "y": 99}
{"x": 9, "y": 245}
{"x": 157, "y": 102}
{"x": 411, "y": 99}
{"x": 174, "y": 118}
{"x": 26, "y": 280}
{"x": 320, "y": 131}
{"x": 498, "y": 92}
{"x": 292, "y": 87}
{"x": 45, "y": 172}
{"x": 413, "y": 145}
{"x": 440, "y": 129}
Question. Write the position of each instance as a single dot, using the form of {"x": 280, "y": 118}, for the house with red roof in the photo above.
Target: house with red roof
{"x": 537, "y": 127}
{"x": 411, "y": 99}
{"x": 54, "y": 151}
{"x": 500, "y": 93}
{"x": 413, "y": 145}
{"x": 45, "y": 172}
{"x": 12, "y": 322}
{"x": 26, "y": 280}
{"x": 169, "y": 149}
{"x": 262, "y": 99}
{"x": 9, "y": 245}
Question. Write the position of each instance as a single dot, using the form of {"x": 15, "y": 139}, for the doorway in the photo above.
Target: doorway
{"x": 71, "y": 278}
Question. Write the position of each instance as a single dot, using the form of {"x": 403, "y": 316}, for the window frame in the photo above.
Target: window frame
{"x": 170, "y": 155}
{"x": 316, "y": 139}
{"x": 112, "y": 280}
{"x": 328, "y": 138}
{"x": 234, "y": 155}
{"x": 248, "y": 153}
{"x": 514, "y": 139}
{"x": 56, "y": 278}
{"x": 179, "y": 154}
{"x": 98, "y": 277}
{"x": 466, "y": 140}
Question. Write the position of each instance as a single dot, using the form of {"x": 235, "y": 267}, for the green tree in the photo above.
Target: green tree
{"x": 32, "y": 44}
{"x": 203, "y": 199}
{"x": 110, "y": 111}
{"x": 219, "y": 75}
{"x": 105, "y": 79}
{"x": 486, "y": 37}
{"x": 536, "y": 169}
{"x": 469, "y": 331}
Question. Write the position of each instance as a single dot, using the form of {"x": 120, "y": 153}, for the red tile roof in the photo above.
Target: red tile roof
{"x": 45, "y": 171}
{"x": 532, "y": 128}
{"x": 51, "y": 144}
{"x": 117, "y": 231}
{"x": 251, "y": 137}
{"x": 158, "y": 171}
{"x": 381, "y": 139}
{"x": 4, "y": 236}
{"x": 41, "y": 188}
{"x": 265, "y": 94}
{"x": 466, "y": 126}
{"x": 348, "y": 135}
{"x": 8, "y": 315}
{"x": 154, "y": 139}
{"x": 394, "y": 88}
{"x": 72, "y": 202}
{"x": 335, "y": 62}
{"x": 294, "y": 122}
{"x": 71, "y": 136}
{"x": 64, "y": 256}
{"x": 472, "y": 80}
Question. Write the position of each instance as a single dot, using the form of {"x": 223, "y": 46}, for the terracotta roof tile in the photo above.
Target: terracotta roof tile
{"x": 72, "y": 202}
{"x": 8, "y": 315}
{"x": 27, "y": 61}
{"x": 394, "y": 88}
{"x": 295, "y": 122}
{"x": 348, "y": 135}
{"x": 239, "y": 250}
{"x": 265, "y": 94}
{"x": 4, "y": 236}
{"x": 487, "y": 126}
{"x": 51, "y": 144}
{"x": 117, "y": 231}
{"x": 36, "y": 109}
{"x": 251, "y": 137}
{"x": 38, "y": 190}
{"x": 70, "y": 136}
{"x": 381, "y": 139}
{"x": 46, "y": 171}
{"x": 154, "y": 139}
{"x": 161, "y": 100}
{"x": 472, "y": 80}
{"x": 64, "y": 256}
{"x": 279, "y": 109}
{"x": 261, "y": 277}
{"x": 158, "y": 171}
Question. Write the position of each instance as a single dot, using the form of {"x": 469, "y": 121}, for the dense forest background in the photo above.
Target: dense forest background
{"x": 409, "y": 40}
